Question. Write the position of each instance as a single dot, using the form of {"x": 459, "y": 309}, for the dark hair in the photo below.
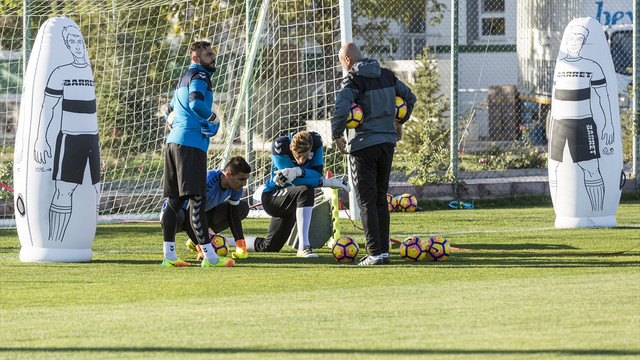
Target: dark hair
{"x": 237, "y": 164}
{"x": 197, "y": 47}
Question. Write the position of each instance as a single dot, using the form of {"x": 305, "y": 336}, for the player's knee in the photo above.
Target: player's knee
{"x": 306, "y": 196}
{"x": 243, "y": 209}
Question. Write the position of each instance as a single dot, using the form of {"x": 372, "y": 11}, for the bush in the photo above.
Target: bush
{"x": 6, "y": 178}
{"x": 522, "y": 154}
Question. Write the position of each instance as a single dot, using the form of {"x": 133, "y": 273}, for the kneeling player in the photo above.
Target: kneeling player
{"x": 223, "y": 206}
{"x": 288, "y": 197}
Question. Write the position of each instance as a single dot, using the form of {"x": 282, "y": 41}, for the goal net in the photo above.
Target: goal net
{"x": 277, "y": 73}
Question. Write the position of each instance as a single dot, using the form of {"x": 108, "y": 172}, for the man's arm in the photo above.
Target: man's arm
{"x": 344, "y": 99}
{"x": 209, "y": 122}
{"x": 235, "y": 220}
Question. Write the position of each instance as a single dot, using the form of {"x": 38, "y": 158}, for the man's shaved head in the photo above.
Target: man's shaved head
{"x": 349, "y": 54}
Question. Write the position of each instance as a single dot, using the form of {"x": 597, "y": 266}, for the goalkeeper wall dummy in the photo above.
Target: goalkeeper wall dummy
{"x": 288, "y": 196}
{"x": 222, "y": 206}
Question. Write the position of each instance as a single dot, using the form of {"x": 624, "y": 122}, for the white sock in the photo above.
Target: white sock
{"x": 385, "y": 255}
{"x": 250, "y": 241}
{"x": 303, "y": 219}
{"x": 209, "y": 253}
{"x": 169, "y": 249}
{"x": 231, "y": 241}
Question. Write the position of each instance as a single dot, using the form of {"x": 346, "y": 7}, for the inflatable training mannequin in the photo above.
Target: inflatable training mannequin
{"x": 585, "y": 146}
{"x": 57, "y": 155}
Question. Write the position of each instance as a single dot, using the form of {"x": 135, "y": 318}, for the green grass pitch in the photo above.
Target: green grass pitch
{"x": 526, "y": 291}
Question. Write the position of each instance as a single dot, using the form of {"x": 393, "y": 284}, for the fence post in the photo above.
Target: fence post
{"x": 346, "y": 36}
{"x": 636, "y": 92}
{"x": 248, "y": 115}
{"x": 453, "y": 143}
{"x": 26, "y": 35}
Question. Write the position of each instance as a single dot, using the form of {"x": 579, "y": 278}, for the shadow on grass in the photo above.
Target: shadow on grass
{"x": 336, "y": 352}
{"x": 520, "y": 246}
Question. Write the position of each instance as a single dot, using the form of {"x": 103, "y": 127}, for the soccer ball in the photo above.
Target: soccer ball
{"x": 413, "y": 249}
{"x": 356, "y": 115}
{"x": 345, "y": 249}
{"x": 439, "y": 248}
{"x": 220, "y": 245}
{"x": 406, "y": 202}
{"x": 392, "y": 202}
{"x": 170, "y": 121}
{"x": 401, "y": 108}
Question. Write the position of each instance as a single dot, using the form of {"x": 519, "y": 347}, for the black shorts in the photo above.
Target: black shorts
{"x": 281, "y": 204}
{"x": 581, "y": 136}
{"x": 71, "y": 157}
{"x": 185, "y": 171}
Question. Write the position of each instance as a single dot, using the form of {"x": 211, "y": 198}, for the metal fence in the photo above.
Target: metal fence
{"x": 506, "y": 52}
{"x": 503, "y": 53}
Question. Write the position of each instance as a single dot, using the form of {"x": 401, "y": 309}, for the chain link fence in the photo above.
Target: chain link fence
{"x": 506, "y": 58}
{"x": 506, "y": 52}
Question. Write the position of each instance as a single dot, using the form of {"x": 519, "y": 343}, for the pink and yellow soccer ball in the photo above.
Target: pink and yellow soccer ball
{"x": 392, "y": 203}
{"x": 170, "y": 121}
{"x": 345, "y": 249}
{"x": 439, "y": 248}
{"x": 413, "y": 249}
{"x": 401, "y": 108}
{"x": 406, "y": 202}
{"x": 220, "y": 245}
{"x": 356, "y": 115}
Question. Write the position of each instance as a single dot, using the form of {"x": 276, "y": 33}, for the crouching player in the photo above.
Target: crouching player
{"x": 223, "y": 207}
{"x": 288, "y": 196}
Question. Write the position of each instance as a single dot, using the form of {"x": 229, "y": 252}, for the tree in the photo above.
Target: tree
{"x": 425, "y": 142}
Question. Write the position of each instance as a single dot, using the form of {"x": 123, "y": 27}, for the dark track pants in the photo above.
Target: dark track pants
{"x": 370, "y": 168}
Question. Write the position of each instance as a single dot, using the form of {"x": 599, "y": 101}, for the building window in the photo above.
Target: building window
{"x": 493, "y": 27}
{"x": 418, "y": 24}
{"x": 493, "y": 6}
{"x": 492, "y": 18}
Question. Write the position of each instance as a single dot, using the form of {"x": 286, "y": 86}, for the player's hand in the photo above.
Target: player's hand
{"x": 287, "y": 175}
{"x": 608, "y": 135}
{"x": 398, "y": 130}
{"x": 341, "y": 143}
{"x": 41, "y": 151}
{"x": 209, "y": 129}
{"x": 336, "y": 183}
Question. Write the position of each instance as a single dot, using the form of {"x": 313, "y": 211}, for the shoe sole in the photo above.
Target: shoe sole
{"x": 184, "y": 264}
{"x": 227, "y": 264}
{"x": 308, "y": 256}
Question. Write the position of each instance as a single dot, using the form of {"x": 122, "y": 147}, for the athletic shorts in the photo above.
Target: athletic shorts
{"x": 71, "y": 157}
{"x": 185, "y": 171}
{"x": 581, "y": 136}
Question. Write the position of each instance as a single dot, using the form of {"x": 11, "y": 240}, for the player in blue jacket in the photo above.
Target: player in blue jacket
{"x": 297, "y": 168}
{"x": 185, "y": 163}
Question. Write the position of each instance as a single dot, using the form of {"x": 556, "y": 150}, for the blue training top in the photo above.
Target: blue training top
{"x": 215, "y": 194}
{"x": 191, "y": 104}
{"x": 282, "y": 158}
